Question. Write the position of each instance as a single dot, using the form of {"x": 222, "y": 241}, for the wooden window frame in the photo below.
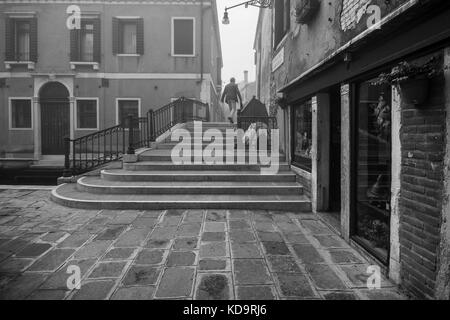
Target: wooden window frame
{"x": 10, "y": 120}
{"x": 97, "y": 113}
{"x": 173, "y": 37}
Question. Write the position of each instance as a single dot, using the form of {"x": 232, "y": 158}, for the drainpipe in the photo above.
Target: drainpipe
{"x": 201, "y": 40}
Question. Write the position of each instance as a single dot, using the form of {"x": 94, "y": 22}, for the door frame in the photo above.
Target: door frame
{"x": 39, "y": 81}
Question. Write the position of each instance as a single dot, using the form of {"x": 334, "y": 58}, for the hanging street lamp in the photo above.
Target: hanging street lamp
{"x": 254, "y": 3}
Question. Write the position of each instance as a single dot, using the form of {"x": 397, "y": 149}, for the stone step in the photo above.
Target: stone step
{"x": 68, "y": 195}
{"x": 169, "y": 166}
{"x": 166, "y": 155}
{"x": 171, "y": 145}
{"x": 195, "y": 176}
{"x": 99, "y": 186}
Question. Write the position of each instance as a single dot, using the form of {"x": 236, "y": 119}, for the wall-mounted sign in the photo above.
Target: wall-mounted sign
{"x": 278, "y": 60}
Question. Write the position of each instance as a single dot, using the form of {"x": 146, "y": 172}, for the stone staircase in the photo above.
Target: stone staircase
{"x": 154, "y": 182}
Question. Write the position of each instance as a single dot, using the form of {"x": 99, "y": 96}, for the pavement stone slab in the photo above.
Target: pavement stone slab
{"x": 163, "y": 233}
{"x": 141, "y": 276}
{"x": 51, "y": 260}
{"x": 170, "y": 221}
{"x": 330, "y": 241}
{"x": 294, "y": 285}
{"x": 111, "y": 233}
{"x": 58, "y": 279}
{"x": 276, "y": 248}
{"x": 307, "y": 253}
{"x": 239, "y": 224}
{"x": 189, "y": 243}
{"x": 120, "y": 254}
{"x": 324, "y": 277}
{"x": 189, "y": 230}
{"x": 176, "y": 282}
{"x": 345, "y": 257}
{"x": 214, "y": 265}
{"x": 93, "y": 249}
{"x": 251, "y": 271}
{"x": 75, "y": 240}
{"x": 339, "y": 295}
{"x": 48, "y": 295}
{"x": 265, "y": 226}
{"x": 242, "y": 236}
{"x": 134, "y": 293}
{"x": 132, "y": 238}
{"x": 108, "y": 270}
{"x": 283, "y": 264}
{"x": 181, "y": 258}
{"x": 216, "y": 215}
{"x": 144, "y": 222}
{"x": 256, "y": 293}
{"x": 94, "y": 290}
{"x": 194, "y": 216}
{"x": 296, "y": 238}
{"x": 54, "y": 236}
{"x": 22, "y": 286}
{"x": 315, "y": 227}
{"x": 33, "y": 250}
{"x": 158, "y": 243}
{"x": 15, "y": 264}
{"x": 213, "y": 236}
{"x": 244, "y": 250}
{"x": 215, "y": 227}
{"x": 270, "y": 236}
{"x": 150, "y": 257}
{"x": 213, "y": 249}
{"x": 213, "y": 287}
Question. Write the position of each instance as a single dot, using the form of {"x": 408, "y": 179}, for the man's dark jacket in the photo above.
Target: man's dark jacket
{"x": 231, "y": 93}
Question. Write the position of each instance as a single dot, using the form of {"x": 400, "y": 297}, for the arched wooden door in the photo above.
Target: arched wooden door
{"x": 55, "y": 117}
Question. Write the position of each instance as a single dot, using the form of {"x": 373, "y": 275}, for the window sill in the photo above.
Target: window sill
{"x": 128, "y": 55}
{"x": 10, "y": 64}
{"x": 183, "y": 55}
{"x": 281, "y": 43}
{"x": 74, "y": 64}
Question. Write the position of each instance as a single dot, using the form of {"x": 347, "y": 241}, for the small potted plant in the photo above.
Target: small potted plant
{"x": 305, "y": 10}
{"x": 412, "y": 79}
{"x": 282, "y": 102}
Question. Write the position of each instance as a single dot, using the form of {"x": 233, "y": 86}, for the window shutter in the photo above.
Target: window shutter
{"x": 33, "y": 39}
{"x": 9, "y": 39}
{"x": 140, "y": 36}
{"x": 97, "y": 40}
{"x": 74, "y": 45}
{"x": 116, "y": 36}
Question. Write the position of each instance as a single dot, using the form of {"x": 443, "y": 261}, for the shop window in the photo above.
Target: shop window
{"x": 87, "y": 114}
{"x": 183, "y": 36}
{"x": 302, "y": 137}
{"x": 20, "y": 114}
{"x": 372, "y": 170}
{"x": 282, "y": 20}
{"x": 126, "y": 107}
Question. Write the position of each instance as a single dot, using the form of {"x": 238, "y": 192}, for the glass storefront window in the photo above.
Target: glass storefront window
{"x": 302, "y": 137}
{"x": 373, "y": 168}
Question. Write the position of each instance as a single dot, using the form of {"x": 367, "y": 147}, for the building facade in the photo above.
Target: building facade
{"x": 375, "y": 161}
{"x": 64, "y": 76}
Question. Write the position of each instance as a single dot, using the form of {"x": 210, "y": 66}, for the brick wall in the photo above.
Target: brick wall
{"x": 423, "y": 150}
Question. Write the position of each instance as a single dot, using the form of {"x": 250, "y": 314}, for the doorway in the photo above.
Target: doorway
{"x": 55, "y": 117}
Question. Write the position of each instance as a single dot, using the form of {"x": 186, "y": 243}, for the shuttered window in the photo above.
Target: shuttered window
{"x": 128, "y": 36}
{"x": 282, "y": 20}
{"x": 183, "y": 37}
{"x": 20, "y": 114}
{"x": 21, "y": 39}
{"x": 85, "y": 43}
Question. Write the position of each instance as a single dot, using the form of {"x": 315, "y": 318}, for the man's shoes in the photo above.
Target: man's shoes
{"x": 231, "y": 120}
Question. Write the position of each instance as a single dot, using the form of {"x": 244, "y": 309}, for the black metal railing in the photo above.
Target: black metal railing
{"x": 268, "y": 123}
{"x": 94, "y": 150}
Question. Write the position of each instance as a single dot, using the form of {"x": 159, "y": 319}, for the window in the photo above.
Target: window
{"x": 282, "y": 20}
{"x": 87, "y": 114}
{"x": 85, "y": 42}
{"x": 128, "y": 36}
{"x": 302, "y": 135}
{"x": 372, "y": 170}
{"x": 125, "y": 107}
{"x": 183, "y": 37}
{"x": 21, "y": 39}
{"x": 20, "y": 113}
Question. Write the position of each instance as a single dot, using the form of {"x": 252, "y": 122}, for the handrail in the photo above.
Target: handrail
{"x": 96, "y": 149}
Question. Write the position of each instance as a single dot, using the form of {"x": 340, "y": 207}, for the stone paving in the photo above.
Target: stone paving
{"x": 173, "y": 254}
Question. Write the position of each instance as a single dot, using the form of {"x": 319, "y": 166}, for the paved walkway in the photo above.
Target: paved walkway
{"x": 172, "y": 254}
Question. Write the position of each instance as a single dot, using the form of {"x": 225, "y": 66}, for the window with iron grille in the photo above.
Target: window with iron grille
{"x": 126, "y": 107}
